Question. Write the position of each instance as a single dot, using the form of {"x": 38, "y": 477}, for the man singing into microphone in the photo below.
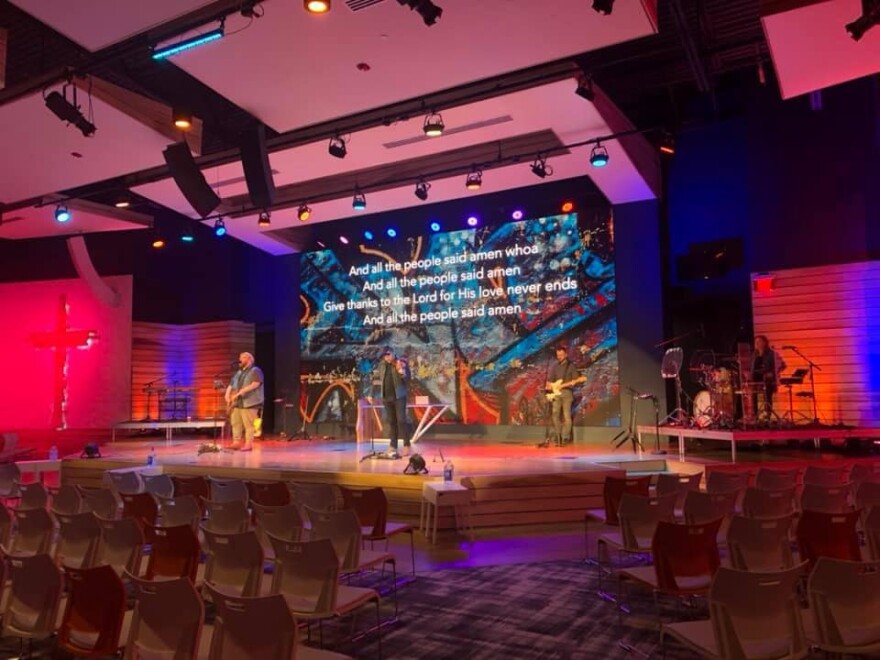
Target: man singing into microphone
{"x": 244, "y": 396}
{"x": 393, "y": 382}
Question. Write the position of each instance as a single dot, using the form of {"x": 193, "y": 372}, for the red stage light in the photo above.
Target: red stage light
{"x": 567, "y": 207}
{"x": 763, "y": 283}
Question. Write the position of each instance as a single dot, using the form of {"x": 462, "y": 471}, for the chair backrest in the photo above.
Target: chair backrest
{"x": 672, "y": 482}
{"x": 229, "y": 517}
{"x": 844, "y": 597}
{"x": 700, "y": 507}
{"x": 371, "y": 507}
{"x": 639, "y": 516}
{"x": 685, "y": 556}
{"x": 872, "y": 531}
{"x": 757, "y": 611}
{"x": 34, "y": 532}
{"x": 725, "y": 481}
{"x": 159, "y": 485}
{"x": 234, "y": 563}
{"x": 228, "y": 490}
{"x": 5, "y": 525}
{"x": 760, "y": 503}
{"x": 34, "y": 596}
{"x": 196, "y": 486}
{"x": 866, "y": 471}
{"x": 140, "y": 506}
{"x": 128, "y": 481}
{"x": 92, "y": 620}
{"x": 79, "y": 537}
{"x": 167, "y": 620}
{"x": 268, "y": 493}
{"x": 255, "y": 628}
{"x": 183, "y": 510}
{"x": 33, "y": 496}
{"x": 10, "y": 477}
{"x": 828, "y": 535}
{"x": 320, "y": 497}
{"x": 283, "y": 522}
{"x": 100, "y": 501}
{"x": 821, "y": 475}
{"x": 613, "y": 490}
{"x": 770, "y": 479}
{"x": 830, "y": 499}
{"x": 67, "y": 500}
{"x": 122, "y": 545}
{"x": 760, "y": 544}
{"x": 174, "y": 552}
{"x": 308, "y": 572}
{"x": 344, "y": 531}
{"x": 867, "y": 495}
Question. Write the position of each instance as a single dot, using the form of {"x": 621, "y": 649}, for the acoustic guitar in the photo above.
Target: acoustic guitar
{"x": 557, "y": 386}
{"x": 258, "y": 422}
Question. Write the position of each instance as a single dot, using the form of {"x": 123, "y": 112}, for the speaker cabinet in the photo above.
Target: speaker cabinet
{"x": 257, "y": 172}
{"x": 190, "y": 180}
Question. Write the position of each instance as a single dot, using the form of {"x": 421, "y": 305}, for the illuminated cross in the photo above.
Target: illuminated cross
{"x": 61, "y": 339}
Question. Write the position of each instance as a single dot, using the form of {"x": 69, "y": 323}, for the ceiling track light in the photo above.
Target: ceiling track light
{"x": 182, "y": 119}
{"x": 303, "y": 213}
{"x": 540, "y": 168}
{"x": 62, "y": 214}
{"x": 122, "y": 202}
{"x": 429, "y": 12}
{"x": 599, "y": 156}
{"x": 667, "y": 144}
{"x": 585, "y": 89}
{"x": 603, "y": 6}
{"x": 219, "y": 227}
{"x": 434, "y": 126}
{"x": 359, "y": 202}
{"x": 187, "y": 236}
{"x": 474, "y": 179}
{"x": 422, "y": 188}
{"x": 337, "y": 147}
{"x": 164, "y": 52}
{"x": 158, "y": 241}
{"x": 317, "y": 6}
{"x": 870, "y": 18}
{"x": 69, "y": 111}
{"x": 264, "y": 220}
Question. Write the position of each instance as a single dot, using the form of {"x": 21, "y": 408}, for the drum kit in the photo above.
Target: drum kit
{"x": 720, "y": 383}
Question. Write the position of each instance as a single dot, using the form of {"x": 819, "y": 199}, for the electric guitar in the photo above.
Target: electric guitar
{"x": 557, "y": 386}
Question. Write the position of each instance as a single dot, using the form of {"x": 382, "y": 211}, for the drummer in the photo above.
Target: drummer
{"x": 767, "y": 364}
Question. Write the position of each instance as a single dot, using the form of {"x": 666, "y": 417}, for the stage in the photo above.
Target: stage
{"x": 512, "y": 483}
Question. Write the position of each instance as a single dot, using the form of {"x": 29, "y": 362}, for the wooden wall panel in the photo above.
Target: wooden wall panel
{"x": 832, "y": 315}
{"x": 191, "y": 357}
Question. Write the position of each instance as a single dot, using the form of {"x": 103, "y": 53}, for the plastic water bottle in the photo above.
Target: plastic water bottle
{"x": 448, "y": 469}
{"x": 53, "y": 453}
{"x": 151, "y": 457}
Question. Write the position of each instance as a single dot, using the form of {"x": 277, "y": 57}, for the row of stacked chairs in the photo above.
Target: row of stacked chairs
{"x": 214, "y": 535}
{"x": 787, "y": 534}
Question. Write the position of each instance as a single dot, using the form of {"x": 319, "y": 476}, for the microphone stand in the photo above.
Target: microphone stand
{"x": 812, "y": 366}
{"x": 548, "y": 410}
{"x": 148, "y": 390}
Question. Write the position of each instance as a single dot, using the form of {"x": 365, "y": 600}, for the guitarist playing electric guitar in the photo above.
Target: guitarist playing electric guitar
{"x": 561, "y": 378}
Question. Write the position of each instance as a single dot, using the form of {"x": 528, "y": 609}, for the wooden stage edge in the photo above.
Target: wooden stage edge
{"x": 510, "y": 484}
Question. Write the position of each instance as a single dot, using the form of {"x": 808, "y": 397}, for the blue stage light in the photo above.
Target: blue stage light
{"x": 473, "y": 221}
{"x": 193, "y": 42}
{"x": 435, "y": 226}
{"x": 368, "y": 235}
{"x": 517, "y": 215}
{"x": 392, "y": 232}
{"x": 62, "y": 214}
{"x": 219, "y": 227}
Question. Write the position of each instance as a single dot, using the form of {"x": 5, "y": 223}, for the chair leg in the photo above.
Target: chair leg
{"x": 379, "y": 626}
{"x": 412, "y": 550}
{"x": 394, "y": 586}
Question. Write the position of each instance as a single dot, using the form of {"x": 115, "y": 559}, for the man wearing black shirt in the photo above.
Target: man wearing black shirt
{"x": 766, "y": 366}
{"x": 564, "y": 373}
{"x": 394, "y": 384}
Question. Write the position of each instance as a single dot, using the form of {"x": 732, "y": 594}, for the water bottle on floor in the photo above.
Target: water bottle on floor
{"x": 448, "y": 470}
{"x": 151, "y": 457}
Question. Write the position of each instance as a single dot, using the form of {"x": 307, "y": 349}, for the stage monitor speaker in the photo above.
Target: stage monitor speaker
{"x": 190, "y": 180}
{"x": 91, "y": 450}
{"x": 257, "y": 172}
{"x": 416, "y": 465}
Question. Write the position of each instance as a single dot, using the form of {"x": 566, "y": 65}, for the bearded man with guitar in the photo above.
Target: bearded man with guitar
{"x": 244, "y": 398}
{"x": 561, "y": 378}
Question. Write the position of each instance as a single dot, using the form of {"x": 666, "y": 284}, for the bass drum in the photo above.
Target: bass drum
{"x": 703, "y": 409}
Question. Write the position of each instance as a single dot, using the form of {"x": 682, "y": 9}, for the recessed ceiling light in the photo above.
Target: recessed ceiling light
{"x": 317, "y": 6}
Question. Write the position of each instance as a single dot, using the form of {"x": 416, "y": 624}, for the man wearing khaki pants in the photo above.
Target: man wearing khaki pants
{"x": 244, "y": 397}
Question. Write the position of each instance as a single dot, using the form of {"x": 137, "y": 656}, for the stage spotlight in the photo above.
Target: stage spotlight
{"x": 435, "y": 226}
{"x": 320, "y": 244}
{"x": 474, "y": 180}
{"x": 870, "y": 18}
{"x": 422, "y": 188}
{"x": 667, "y": 144}
{"x": 567, "y": 207}
{"x": 337, "y": 147}
{"x": 391, "y": 232}
{"x": 473, "y": 221}
{"x": 186, "y": 44}
{"x": 424, "y": 8}
{"x": 303, "y": 212}
{"x": 368, "y": 235}
{"x": 62, "y": 214}
{"x": 434, "y": 126}
{"x": 359, "y": 202}
{"x": 517, "y": 215}
{"x": 187, "y": 236}
{"x": 599, "y": 156}
{"x": 317, "y": 6}
{"x": 69, "y": 112}
{"x": 219, "y": 227}
{"x": 122, "y": 202}
{"x": 603, "y": 6}
{"x": 540, "y": 168}
{"x": 158, "y": 242}
{"x": 182, "y": 119}
{"x": 265, "y": 220}
{"x": 585, "y": 89}
{"x": 343, "y": 240}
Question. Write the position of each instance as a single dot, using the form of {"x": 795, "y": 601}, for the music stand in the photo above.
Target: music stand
{"x": 811, "y": 365}
{"x": 670, "y": 369}
{"x": 795, "y": 378}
